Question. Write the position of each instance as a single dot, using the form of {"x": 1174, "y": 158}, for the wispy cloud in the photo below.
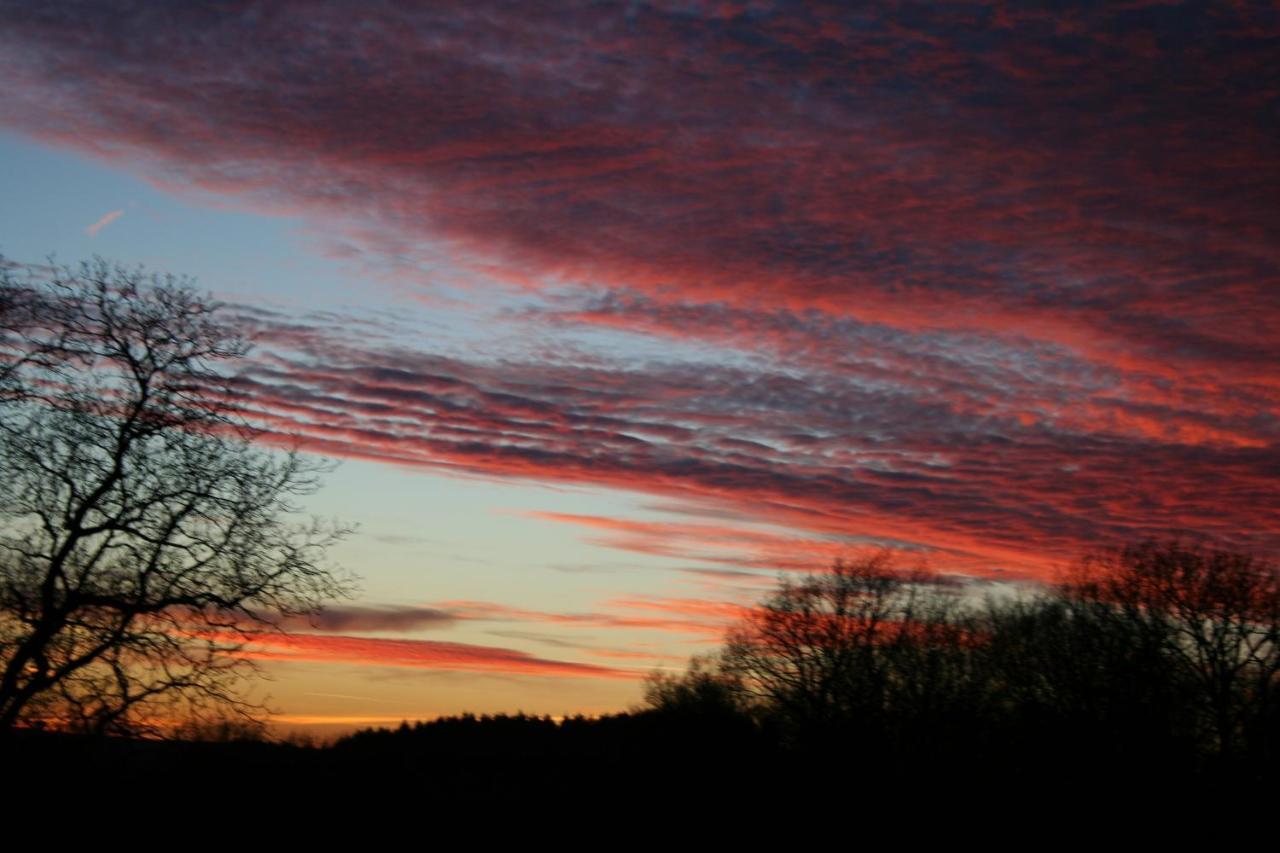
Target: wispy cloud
{"x": 997, "y": 283}
{"x": 1099, "y": 177}
{"x": 371, "y": 618}
{"x": 103, "y": 222}
{"x": 980, "y": 455}
{"x": 420, "y": 654}
{"x": 708, "y": 621}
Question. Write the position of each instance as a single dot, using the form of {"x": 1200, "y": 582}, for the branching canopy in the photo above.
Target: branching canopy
{"x": 145, "y": 538}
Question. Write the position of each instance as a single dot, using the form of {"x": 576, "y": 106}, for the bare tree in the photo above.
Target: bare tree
{"x": 23, "y": 308}
{"x": 145, "y": 538}
{"x": 846, "y": 645}
{"x": 1213, "y": 615}
{"x": 703, "y": 690}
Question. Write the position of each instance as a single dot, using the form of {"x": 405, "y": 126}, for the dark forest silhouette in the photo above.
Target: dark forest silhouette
{"x": 1153, "y": 660}
{"x": 1151, "y": 668}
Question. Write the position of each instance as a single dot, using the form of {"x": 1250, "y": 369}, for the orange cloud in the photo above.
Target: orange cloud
{"x": 420, "y": 654}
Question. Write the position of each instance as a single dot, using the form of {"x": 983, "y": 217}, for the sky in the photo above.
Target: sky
{"x": 611, "y": 313}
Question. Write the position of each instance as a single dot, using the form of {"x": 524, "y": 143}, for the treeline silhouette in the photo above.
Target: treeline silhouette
{"x": 1154, "y": 668}
{"x": 1149, "y": 664}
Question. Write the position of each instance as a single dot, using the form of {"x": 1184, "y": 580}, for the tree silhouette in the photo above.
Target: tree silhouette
{"x": 1157, "y": 661}
{"x": 703, "y": 691}
{"x": 1065, "y": 678}
{"x": 863, "y": 643}
{"x": 145, "y": 539}
{"x": 1213, "y": 616}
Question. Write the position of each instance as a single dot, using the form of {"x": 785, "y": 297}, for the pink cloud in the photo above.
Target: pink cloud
{"x": 999, "y": 284}
{"x": 105, "y": 220}
{"x": 419, "y": 654}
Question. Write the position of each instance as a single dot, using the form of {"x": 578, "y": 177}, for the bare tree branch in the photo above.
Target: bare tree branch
{"x": 138, "y": 515}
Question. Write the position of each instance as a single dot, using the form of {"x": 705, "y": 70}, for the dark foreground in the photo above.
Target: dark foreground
{"x": 649, "y": 761}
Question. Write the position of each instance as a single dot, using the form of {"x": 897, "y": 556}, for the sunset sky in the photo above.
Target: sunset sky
{"x": 612, "y": 312}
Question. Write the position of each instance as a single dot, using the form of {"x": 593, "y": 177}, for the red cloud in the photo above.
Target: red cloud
{"x": 423, "y": 654}
{"x": 998, "y": 283}
{"x": 1108, "y": 186}
{"x": 678, "y": 623}
{"x": 816, "y": 451}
